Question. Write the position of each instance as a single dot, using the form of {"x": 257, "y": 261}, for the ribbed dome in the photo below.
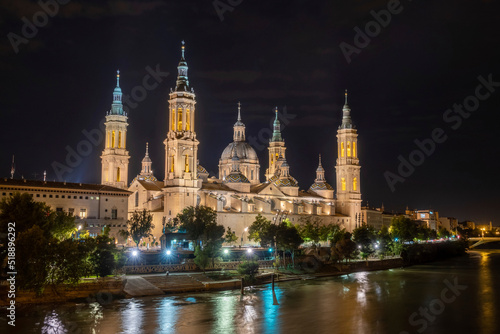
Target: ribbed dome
{"x": 243, "y": 150}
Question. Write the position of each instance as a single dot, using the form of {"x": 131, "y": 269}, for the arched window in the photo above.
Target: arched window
{"x": 179, "y": 119}
{"x": 342, "y": 149}
{"x": 348, "y": 148}
{"x": 172, "y": 165}
{"x": 119, "y": 139}
{"x": 355, "y": 184}
{"x": 188, "y": 120}
{"x": 113, "y": 139}
{"x": 118, "y": 174}
{"x": 354, "y": 149}
{"x": 342, "y": 181}
{"x": 186, "y": 165}
{"x": 173, "y": 119}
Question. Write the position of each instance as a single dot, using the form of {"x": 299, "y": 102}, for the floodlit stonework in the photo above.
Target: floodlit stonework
{"x": 237, "y": 193}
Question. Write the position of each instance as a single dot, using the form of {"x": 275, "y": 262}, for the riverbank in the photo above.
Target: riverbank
{"x": 108, "y": 289}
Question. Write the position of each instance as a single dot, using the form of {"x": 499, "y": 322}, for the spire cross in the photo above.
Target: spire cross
{"x": 239, "y": 111}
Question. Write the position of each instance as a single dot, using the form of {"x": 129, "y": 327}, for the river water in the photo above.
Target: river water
{"x": 460, "y": 295}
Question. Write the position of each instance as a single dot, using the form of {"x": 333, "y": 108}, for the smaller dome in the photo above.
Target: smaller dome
{"x": 146, "y": 159}
{"x": 243, "y": 150}
{"x": 284, "y": 182}
{"x": 236, "y": 178}
{"x": 321, "y": 186}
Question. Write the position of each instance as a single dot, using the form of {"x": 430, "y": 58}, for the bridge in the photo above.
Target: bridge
{"x": 479, "y": 241}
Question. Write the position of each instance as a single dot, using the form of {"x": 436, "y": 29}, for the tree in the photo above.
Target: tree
{"x": 310, "y": 230}
{"x": 332, "y": 233}
{"x": 25, "y": 212}
{"x": 403, "y": 229}
{"x": 365, "y": 237}
{"x": 344, "y": 249}
{"x": 384, "y": 242}
{"x": 249, "y": 268}
{"x": 288, "y": 238}
{"x": 230, "y": 236}
{"x": 201, "y": 258}
{"x": 103, "y": 262}
{"x": 262, "y": 231}
{"x": 201, "y": 226}
{"x": 140, "y": 226}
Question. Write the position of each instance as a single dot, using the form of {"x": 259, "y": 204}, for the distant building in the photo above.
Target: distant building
{"x": 93, "y": 205}
{"x": 448, "y": 223}
{"x": 430, "y": 218}
{"x": 486, "y": 227}
{"x": 468, "y": 224}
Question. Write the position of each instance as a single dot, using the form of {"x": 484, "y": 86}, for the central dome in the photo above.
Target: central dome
{"x": 243, "y": 150}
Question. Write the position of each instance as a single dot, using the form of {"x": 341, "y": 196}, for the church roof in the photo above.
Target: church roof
{"x": 150, "y": 184}
{"x": 321, "y": 186}
{"x": 284, "y": 182}
{"x": 236, "y": 178}
{"x": 62, "y": 185}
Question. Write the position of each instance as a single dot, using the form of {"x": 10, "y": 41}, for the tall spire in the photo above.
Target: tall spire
{"x": 239, "y": 111}
{"x": 239, "y": 127}
{"x": 276, "y": 128}
{"x": 346, "y": 115}
{"x": 146, "y": 163}
{"x": 320, "y": 172}
{"x": 117, "y": 106}
{"x": 182, "y": 83}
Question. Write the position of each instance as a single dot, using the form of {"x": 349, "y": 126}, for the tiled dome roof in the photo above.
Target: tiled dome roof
{"x": 236, "y": 178}
{"x": 201, "y": 169}
{"x": 321, "y": 186}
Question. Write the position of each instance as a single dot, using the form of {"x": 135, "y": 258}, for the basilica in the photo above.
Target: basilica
{"x": 237, "y": 193}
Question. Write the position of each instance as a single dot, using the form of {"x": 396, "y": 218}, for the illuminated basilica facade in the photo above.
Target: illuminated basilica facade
{"x": 237, "y": 192}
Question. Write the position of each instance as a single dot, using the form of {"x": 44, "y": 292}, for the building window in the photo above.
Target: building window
{"x": 44, "y": 195}
{"x": 118, "y": 174}
{"x": 71, "y": 212}
{"x": 188, "y": 123}
{"x": 86, "y": 197}
{"x": 62, "y": 196}
{"x": 57, "y": 196}
{"x": 342, "y": 149}
{"x": 355, "y": 184}
{"x": 114, "y": 213}
{"x": 342, "y": 181}
{"x": 83, "y": 213}
{"x": 50, "y": 196}
{"x": 59, "y": 209}
{"x": 137, "y": 199}
{"x": 348, "y": 148}
{"x": 112, "y": 139}
{"x": 251, "y": 175}
{"x": 354, "y": 149}
{"x": 37, "y": 195}
{"x": 119, "y": 139}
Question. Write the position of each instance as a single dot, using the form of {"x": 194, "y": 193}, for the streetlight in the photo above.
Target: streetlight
{"x": 169, "y": 253}
{"x": 134, "y": 253}
{"x": 482, "y": 231}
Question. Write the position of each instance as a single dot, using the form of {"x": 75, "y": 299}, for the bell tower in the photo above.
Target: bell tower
{"x": 181, "y": 145}
{"x": 348, "y": 170}
{"x": 276, "y": 148}
{"x": 114, "y": 158}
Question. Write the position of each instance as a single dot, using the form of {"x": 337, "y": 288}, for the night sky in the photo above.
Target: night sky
{"x": 265, "y": 54}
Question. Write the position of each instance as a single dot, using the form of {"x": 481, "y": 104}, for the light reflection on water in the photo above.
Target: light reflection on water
{"x": 364, "y": 302}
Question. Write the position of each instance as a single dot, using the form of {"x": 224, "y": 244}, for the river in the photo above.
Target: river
{"x": 459, "y": 295}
